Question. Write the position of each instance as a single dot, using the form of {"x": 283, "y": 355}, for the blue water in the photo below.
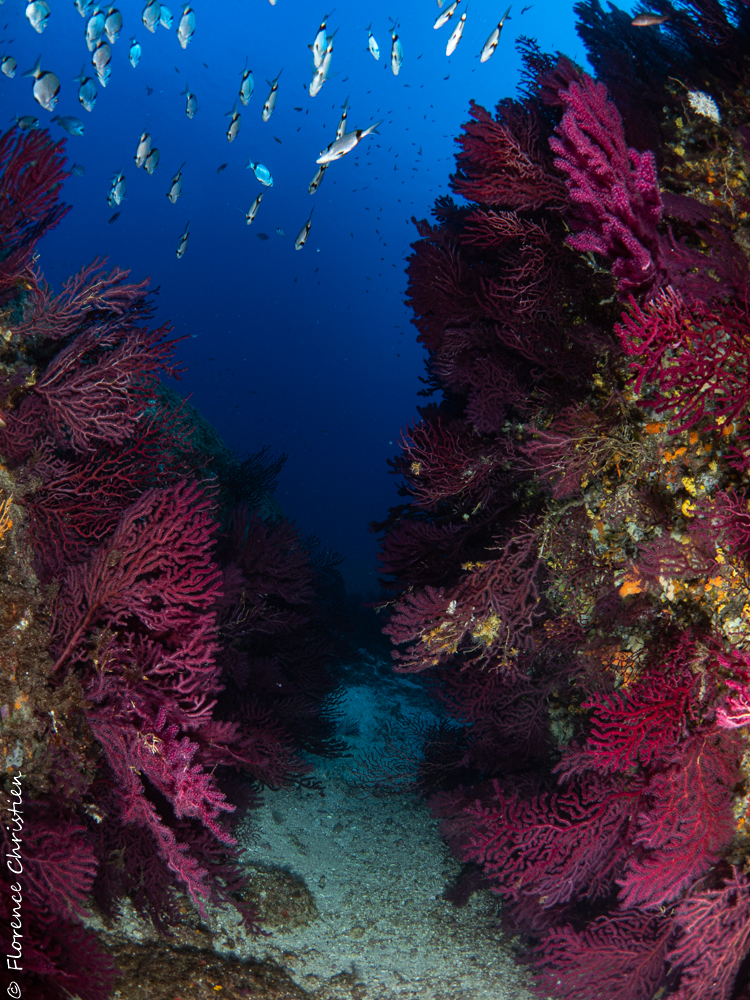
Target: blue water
{"x": 310, "y": 352}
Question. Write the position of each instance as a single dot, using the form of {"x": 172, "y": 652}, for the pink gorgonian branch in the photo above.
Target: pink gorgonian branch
{"x": 689, "y": 358}
{"x": 96, "y": 388}
{"x": 31, "y": 174}
{"x": 92, "y": 294}
{"x": 155, "y": 569}
{"x": 614, "y": 189}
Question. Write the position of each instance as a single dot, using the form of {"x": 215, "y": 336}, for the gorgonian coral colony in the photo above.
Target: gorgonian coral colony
{"x": 572, "y": 564}
{"x": 164, "y": 649}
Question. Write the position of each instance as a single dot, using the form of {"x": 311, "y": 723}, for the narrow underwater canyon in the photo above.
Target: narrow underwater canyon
{"x": 220, "y": 778}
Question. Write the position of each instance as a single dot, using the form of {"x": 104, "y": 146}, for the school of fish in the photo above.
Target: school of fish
{"x": 103, "y": 27}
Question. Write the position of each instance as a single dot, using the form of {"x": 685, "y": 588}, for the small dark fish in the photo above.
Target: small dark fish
{"x": 261, "y": 236}
{"x": 78, "y": 170}
{"x": 176, "y": 69}
{"x": 524, "y": 9}
{"x": 298, "y": 109}
{"x": 182, "y": 245}
{"x": 277, "y": 139}
{"x": 222, "y": 167}
{"x": 72, "y": 125}
{"x": 149, "y": 90}
{"x": 649, "y": 20}
{"x": 87, "y": 91}
{"x": 26, "y": 122}
{"x": 206, "y": 65}
{"x": 114, "y": 218}
{"x": 303, "y": 233}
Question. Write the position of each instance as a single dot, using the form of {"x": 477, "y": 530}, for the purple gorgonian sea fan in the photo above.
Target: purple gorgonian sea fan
{"x": 571, "y": 562}
{"x": 164, "y": 650}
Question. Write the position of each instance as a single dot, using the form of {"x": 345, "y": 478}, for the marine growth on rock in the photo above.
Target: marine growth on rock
{"x": 571, "y": 563}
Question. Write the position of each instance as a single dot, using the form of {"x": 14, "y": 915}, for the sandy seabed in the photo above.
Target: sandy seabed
{"x": 348, "y": 880}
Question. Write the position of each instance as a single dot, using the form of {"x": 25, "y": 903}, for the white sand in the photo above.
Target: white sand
{"x": 376, "y": 867}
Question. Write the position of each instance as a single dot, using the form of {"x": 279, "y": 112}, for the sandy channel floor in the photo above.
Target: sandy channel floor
{"x": 375, "y": 867}
{"x": 348, "y": 881}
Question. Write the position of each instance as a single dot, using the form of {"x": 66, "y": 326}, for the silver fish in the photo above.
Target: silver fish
{"x": 117, "y": 190}
{"x": 341, "y": 127}
{"x": 191, "y": 102}
{"x": 253, "y": 210}
{"x": 38, "y": 15}
{"x": 83, "y": 7}
{"x": 72, "y": 125}
{"x": 142, "y": 150}
{"x": 446, "y": 15}
{"x": 113, "y": 25}
{"x": 152, "y": 161}
{"x": 151, "y": 14}
{"x": 182, "y": 245}
{"x": 321, "y": 73}
{"x": 318, "y": 47}
{"x": 303, "y": 234}
{"x": 281, "y": 232}
{"x": 26, "y": 122}
{"x": 346, "y": 143}
{"x": 186, "y": 27}
{"x": 46, "y": 86}
{"x": 315, "y": 182}
{"x": 327, "y": 56}
{"x": 455, "y": 38}
{"x": 234, "y": 124}
{"x": 372, "y": 45}
{"x": 87, "y": 91}
{"x": 316, "y": 84}
{"x": 247, "y": 85}
{"x": 271, "y": 99}
{"x": 397, "y": 53}
{"x": 94, "y": 29}
{"x": 8, "y": 66}
{"x": 101, "y": 59}
{"x": 78, "y": 170}
{"x": 491, "y": 44}
{"x": 166, "y": 18}
{"x": 175, "y": 188}
{"x": 135, "y": 53}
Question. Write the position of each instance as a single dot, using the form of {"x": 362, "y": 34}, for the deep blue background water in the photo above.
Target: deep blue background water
{"x": 309, "y": 352}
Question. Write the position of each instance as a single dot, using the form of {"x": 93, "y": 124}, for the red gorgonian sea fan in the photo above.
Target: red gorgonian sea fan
{"x": 608, "y": 389}
{"x": 690, "y": 359}
{"x": 145, "y": 724}
{"x": 32, "y": 171}
{"x": 613, "y": 189}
